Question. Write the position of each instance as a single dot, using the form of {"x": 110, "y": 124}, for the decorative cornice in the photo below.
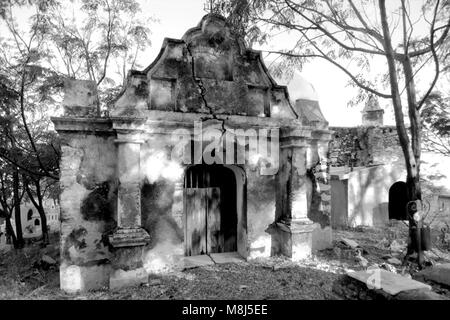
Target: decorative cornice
{"x": 129, "y": 237}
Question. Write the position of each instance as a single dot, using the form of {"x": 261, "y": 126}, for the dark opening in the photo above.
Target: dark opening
{"x": 30, "y": 214}
{"x": 37, "y": 222}
{"x": 398, "y": 199}
{"x": 223, "y": 178}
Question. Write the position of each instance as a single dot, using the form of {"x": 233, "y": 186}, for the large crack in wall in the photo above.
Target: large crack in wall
{"x": 202, "y": 91}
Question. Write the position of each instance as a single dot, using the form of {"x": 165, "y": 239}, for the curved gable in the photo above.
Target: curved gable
{"x": 208, "y": 70}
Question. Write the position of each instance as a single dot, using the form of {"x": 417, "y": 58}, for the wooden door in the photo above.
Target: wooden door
{"x": 214, "y": 236}
{"x": 202, "y": 221}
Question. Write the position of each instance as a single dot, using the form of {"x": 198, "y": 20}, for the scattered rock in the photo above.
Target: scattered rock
{"x": 362, "y": 261}
{"x": 47, "y": 259}
{"x": 430, "y": 255}
{"x": 384, "y": 243}
{"x": 154, "y": 282}
{"x": 388, "y": 267}
{"x": 388, "y": 282}
{"x": 337, "y": 251}
{"x": 394, "y": 261}
{"x": 397, "y": 246}
{"x": 350, "y": 243}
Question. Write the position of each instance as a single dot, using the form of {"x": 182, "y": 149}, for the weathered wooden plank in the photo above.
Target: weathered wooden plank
{"x": 195, "y": 221}
{"x": 214, "y": 238}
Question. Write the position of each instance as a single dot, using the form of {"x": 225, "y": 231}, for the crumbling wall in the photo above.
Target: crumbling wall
{"x": 319, "y": 194}
{"x": 161, "y": 204}
{"x": 368, "y": 194}
{"x": 364, "y": 146}
{"x": 88, "y": 210}
{"x": 233, "y": 79}
{"x": 261, "y": 201}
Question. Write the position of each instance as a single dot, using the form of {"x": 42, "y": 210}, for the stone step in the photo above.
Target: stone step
{"x": 227, "y": 257}
{"x": 197, "y": 261}
{"x": 389, "y": 282}
{"x": 379, "y": 284}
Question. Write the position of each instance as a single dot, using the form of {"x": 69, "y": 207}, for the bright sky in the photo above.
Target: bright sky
{"x": 177, "y": 16}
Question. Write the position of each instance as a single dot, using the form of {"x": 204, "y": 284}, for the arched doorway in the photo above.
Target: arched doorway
{"x": 213, "y": 209}
{"x": 398, "y": 199}
{"x": 29, "y": 215}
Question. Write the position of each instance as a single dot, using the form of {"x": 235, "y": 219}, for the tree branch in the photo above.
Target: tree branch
{"x": 435, "y": 58}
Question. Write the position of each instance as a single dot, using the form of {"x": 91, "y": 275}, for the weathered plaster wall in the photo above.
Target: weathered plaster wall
{"x": 376, "y": 156}
{"x": 380, "y": 145}
{"x": 361, "y": 196}
{"x": 87, "y": 200}
{"x": 162, "y": 206}
{"x": 123, "y": 175}
{"x": 368, "y": 194}
{"x": 319, "y": 193}
{"x": 161, "y": 203}
{"x": 261, "y": 192}
{"x": 234, "y": 78}
{"x": 339, "y": 203}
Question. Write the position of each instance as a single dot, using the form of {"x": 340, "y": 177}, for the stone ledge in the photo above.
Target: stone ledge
{"x": 297, "y": 226}
{"x": 74, "y": 124}
{"x": 129, "y": 237}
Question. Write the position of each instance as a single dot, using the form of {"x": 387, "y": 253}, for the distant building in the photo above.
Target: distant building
{"x": 31, "y": 221}
{"x": 366, "y": 162}
{"x": 372, "y": 114}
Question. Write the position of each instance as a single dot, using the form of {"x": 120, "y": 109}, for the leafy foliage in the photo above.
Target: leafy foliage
{"x": 436, "y": 121}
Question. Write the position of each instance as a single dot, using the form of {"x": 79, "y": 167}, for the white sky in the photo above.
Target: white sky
{"x": 177, "y": 16}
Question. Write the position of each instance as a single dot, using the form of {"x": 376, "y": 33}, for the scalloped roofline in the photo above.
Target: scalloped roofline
{"x": 244, "y": 50}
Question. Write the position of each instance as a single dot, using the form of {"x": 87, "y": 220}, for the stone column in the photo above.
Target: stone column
{"x": 320, "y": 194}
{"x": 129, "y": 232}
{"x": 292, "y": 230}
{"x": 130, "y": 238}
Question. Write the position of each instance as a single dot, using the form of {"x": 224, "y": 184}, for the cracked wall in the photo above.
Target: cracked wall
{"x": 87, "y": 207}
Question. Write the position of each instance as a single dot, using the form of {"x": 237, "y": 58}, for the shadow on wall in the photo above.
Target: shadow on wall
{"x": 315, "y": 201}
{"x": 368, "y": 194}
{"x": 156, "y": 207}
{"x": 380, "y": 215}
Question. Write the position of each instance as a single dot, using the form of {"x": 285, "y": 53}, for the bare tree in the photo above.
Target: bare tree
{"x": 351, "y": 35}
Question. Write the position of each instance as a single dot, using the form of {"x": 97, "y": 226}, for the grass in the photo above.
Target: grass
{"x": 22, "y": 276}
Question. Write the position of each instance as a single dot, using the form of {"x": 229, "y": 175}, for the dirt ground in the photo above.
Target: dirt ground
{"x": 24, "y": 276}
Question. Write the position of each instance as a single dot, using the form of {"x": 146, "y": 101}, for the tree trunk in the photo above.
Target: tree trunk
{"x": 41, "y": 211}
{"x": 411, "y": 150}
{"x": 44, "y": 228}
{"x": 413, "y": 179}
{"x": 19, "y": 235}
{"x": 9, "y": 232}
{"x": 39, "y": 205}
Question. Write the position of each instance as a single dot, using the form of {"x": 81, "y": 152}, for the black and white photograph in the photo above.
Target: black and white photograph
{"x": 224, "y": 158}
